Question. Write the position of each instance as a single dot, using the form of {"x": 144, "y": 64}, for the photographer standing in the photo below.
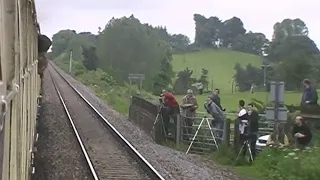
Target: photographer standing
{"x": 217, "y": 115}
{"x": 253, "y": 117}
{"x": 243, "y": 118}
{"x": 310, "y": 94}
{"x": 243, "y": 122}
{"x": 189, "y": 106}
{"x": 170, "y": 109}
{"x": 216, "y": 99}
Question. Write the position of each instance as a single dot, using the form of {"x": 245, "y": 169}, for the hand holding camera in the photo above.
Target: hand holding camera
{"x": 299, "y": 135}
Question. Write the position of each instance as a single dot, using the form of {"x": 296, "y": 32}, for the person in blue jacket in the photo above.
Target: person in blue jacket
{"x": 310, "y": 94}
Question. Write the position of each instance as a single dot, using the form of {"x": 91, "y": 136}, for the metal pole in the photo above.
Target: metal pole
{"x": 265, "y": 79}
{"x": 70, "y": 62}
{"x": 265, "y": 66}
{"x": 276, "y": 119}
{"x": 264, "y": 76}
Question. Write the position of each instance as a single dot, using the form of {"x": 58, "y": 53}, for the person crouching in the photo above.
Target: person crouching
{"x": 302, "y": 133}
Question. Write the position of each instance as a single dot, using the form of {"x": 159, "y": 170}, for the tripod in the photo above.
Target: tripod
{"x": 245, "y": 147}
{"x": 195, "y": 135}
{"x": 159, "y": 116}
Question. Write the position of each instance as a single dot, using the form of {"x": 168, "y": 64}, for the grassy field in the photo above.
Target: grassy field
{"x": 230, "y": 101}
{"x": 219, "y": 63}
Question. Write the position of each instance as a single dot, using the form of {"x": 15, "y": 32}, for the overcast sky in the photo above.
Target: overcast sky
{"x": 176, "y": 15}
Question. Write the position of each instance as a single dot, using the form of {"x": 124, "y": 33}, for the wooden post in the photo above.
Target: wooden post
{"x": 178, "y": 129}
{"x": 226, "y": 132}
{"x": 236, "y": 137}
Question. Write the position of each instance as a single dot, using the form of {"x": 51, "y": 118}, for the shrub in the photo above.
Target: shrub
{"x": 289, "y": 164}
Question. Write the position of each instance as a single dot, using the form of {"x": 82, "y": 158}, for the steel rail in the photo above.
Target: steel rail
{"x": 152, "y": 172}
{"x": 83, "y": 149}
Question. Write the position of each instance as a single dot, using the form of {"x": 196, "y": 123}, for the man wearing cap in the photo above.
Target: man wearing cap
{"x": 189, "y": 106}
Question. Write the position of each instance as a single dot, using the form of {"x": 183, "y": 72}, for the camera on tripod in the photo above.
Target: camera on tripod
{"x": 244, "y": 126}
{"x": 161, "y": 99}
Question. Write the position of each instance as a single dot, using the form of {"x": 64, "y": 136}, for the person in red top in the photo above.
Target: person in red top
{"x": 170, "y": 109}
{"x": 169, "y": 99}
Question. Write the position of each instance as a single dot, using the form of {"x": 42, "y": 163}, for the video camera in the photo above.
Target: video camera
{"x": 161, "y": 98}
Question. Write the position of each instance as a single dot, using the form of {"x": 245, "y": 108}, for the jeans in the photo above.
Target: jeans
{"x": 218, "y": 128}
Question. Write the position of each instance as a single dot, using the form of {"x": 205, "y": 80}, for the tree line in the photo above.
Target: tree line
{"x": 291, "y": 54}
{"x": 125, "y": 46}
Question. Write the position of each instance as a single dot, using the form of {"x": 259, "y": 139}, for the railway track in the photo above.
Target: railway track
{"x": 108, "y": 154}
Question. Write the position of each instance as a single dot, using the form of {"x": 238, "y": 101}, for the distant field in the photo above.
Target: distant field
{"x": 230, "y": 101}
{"x": 219, "y": 63}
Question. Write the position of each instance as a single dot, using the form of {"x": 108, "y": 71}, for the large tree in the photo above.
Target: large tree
{"x": 254, "y": 43}
{"x": 90, "y": 60}
{"x": 126, "y": 46}
{"x": 230, "y": 30}
{"x": 68, "y": 40}
{"x": 289, "y": 27}
{"x": 293, "y": 52}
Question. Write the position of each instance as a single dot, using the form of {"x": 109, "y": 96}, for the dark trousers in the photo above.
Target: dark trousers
{"x": 218, "y": 129}
{"x": 168, "y": 113}
{"x": 252, "y": 140}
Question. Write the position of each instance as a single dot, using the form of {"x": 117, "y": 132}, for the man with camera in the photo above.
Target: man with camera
{"x": 243, "y": 123}
{"x": 216, "y": 99}
{"x": 189, "y": 107}
{"x": 217, "y": 115}
{"x": 248, "y": 127}
{"x": 253, "y": 117}
{"x": 169, "y": 109}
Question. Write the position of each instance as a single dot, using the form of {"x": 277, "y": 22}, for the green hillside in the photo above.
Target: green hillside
{"x": 220, "y": 64}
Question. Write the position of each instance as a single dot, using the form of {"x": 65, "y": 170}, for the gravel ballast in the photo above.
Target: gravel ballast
{"x": 58, "y": 155}
{"x": 170, "y": 163}
{"x": 109, "y": 157}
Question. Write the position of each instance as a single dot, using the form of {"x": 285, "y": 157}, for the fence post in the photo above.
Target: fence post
{"x": 178, "y": 129}
{"x": 130, "y": 109}
{"x": 236, "y": 137}
{"x": 226, "y": 132}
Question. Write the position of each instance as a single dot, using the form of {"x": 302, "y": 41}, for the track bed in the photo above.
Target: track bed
{"x": 111, "y": 158}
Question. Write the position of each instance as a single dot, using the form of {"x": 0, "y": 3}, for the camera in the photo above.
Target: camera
{"x": 244, "y": 126}
{"x": 161, "y": 98}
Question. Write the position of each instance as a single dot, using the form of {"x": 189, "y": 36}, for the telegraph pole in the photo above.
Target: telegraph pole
{"x": 265, "y": 66}
{"x": 70, "y": 62}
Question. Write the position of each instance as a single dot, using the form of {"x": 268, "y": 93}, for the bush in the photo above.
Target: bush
{"x": 288, "y": 164}
{"x": 106, "y": 88}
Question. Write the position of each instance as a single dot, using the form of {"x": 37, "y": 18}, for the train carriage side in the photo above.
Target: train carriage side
{"x": 19, "y": 87}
